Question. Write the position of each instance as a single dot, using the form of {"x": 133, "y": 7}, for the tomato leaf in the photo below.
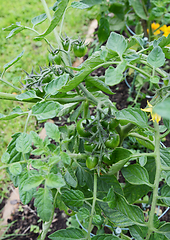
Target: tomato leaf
{"x": 73, "y": 198}
{"x": 43, "y": 202}
{"x": 138, "y": 8}
{"x": 116, "y": 43}
{"x": 54, "y": 181}
{"x": 7, "y": 65}
{"x": 27, "y": 95}
{"x": 57, "y": 17}
{"x": 52, "y": 131}
{"x": 67, "y": 234}
{"x": 39, "y": 19}
{"x": 46, "y": 110}
{"x": 23, "y": 143}
{"x": 135, "y": 174}
{"x": 156, "y": 57}
{"x": 133, "y": 115}
{"x": 115, "y": 75}
{"x": 56, "y": 84}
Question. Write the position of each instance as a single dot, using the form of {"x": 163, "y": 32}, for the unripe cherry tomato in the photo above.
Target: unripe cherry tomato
{"x": 91, "y": 162}
{"x": 79, "y": 49}
{"x": 113, "y": 142}
{"x": 81, "y": 128}
{"x": 55, "y": 58}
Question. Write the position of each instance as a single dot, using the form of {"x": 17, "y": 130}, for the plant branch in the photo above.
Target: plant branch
{"x": 156, "y": 182}
{"x": 10, "y": 84}
{"x": 93, "y": 206}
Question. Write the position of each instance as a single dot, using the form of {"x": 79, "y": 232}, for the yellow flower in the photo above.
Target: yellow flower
{"x": 166, "y": 31}
{"x": 155, "y": 116}
{"x": 154, "y": 26}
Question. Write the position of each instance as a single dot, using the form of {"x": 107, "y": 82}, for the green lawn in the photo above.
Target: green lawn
{"x": 35, "y": 54}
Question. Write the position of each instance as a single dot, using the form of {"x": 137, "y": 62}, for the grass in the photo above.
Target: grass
{"x": 35, "y": 52}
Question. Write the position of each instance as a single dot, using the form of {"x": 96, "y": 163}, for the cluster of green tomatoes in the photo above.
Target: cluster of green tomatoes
{"x": 94, "y": 149}
{"x": 78, "y": 46}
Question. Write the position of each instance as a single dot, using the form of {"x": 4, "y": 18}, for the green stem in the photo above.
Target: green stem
{"x": 136, "y": 135}
{"x": 158, "y": 70}
{"x": 88, "y": 94}
{"x": 93, "y": 206}
{"x": 10, "y": 84}
{"x": 156, "y": 182}
{"x": 47, "y": 225}
{"x": 164, "y": 134}
{"x": 26, "y": 124}
{"x": 55, "y": 31}
{"x": 123, "y": 131}
{"x": 8, "y": 96}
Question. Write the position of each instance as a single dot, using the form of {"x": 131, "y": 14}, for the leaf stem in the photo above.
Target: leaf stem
{"x": 156, "y": 182}
{"x": 26, "y": 124}
{"x": 10, "y": 84}
{"x": 93, "y": 206}
{"x": 8, "y": 96}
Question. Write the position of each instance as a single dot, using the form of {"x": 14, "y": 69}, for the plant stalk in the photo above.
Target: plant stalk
{"x": 93, "y": 206}
{"x": 55, "y": 32}
{"x": 156, "y": 182}
{"x": 47, "y": 225}
{"x": 10, "y": 84}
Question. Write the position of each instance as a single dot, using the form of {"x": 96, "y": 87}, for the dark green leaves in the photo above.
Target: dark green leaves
{"x": 67, "y": 234}
{"x": 123, "y": 214}
{"x": 133, "y": 115}
{"x": 43, "y": 202}
{"x": 73, "y": 198}
{"x": 103, "y": 30}
{"x": 45, "y": 110}
{"x": 138, "y": 8}
{"x": 135, "y": 174}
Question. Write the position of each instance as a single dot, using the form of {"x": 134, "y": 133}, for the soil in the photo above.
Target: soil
{"x": 25, "y": 216}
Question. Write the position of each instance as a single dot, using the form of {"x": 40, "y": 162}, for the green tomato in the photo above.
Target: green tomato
{"x": 113, "y": 124}
{"x": 89, "y": 147}
{"x": 113, "y": 142}
{"x": 66, "y": 44}
{"x": 55, "y": 58}
{"x": 108, "y": 160}
{"x": 81, "y": 128}
{"x": 79, "y": 49}
{"x": 91, "y": 162}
